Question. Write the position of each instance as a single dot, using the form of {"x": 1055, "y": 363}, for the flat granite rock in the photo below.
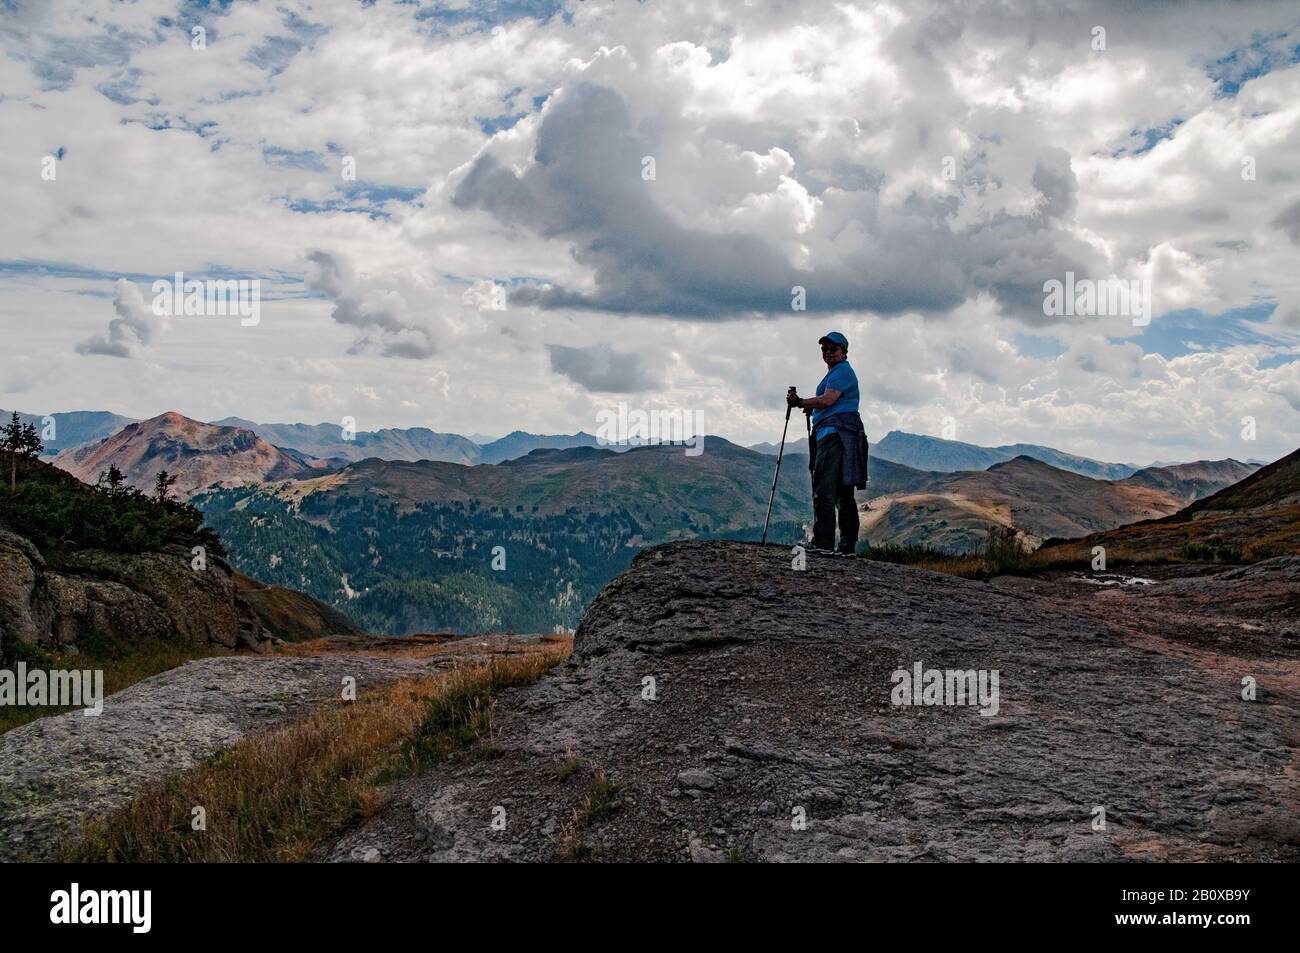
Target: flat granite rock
{"x": 57, "y": 771}
{"x": 1112, "y": 739}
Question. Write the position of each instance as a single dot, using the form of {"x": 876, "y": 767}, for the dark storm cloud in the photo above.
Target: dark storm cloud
{"x": 601, "y": 368}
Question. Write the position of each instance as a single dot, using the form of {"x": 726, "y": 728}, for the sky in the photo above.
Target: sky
{"x": 497, "y": 216}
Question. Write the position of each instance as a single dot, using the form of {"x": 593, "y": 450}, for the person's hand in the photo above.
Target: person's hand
{"x": 791, "y": 398}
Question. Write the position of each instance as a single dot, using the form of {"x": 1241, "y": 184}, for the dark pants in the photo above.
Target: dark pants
{"x": 831, "y": 498}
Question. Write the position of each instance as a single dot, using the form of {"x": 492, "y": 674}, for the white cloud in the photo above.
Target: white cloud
{"x": 387, "y": 313}
{"x": 793, "y": 143}
{"x": 134, "y": 328}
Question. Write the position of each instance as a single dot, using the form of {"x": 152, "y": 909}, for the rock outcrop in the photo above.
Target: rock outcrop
{"x": 149, "y": 595}
{"x": 55, "y": 772}
{"x": 744, "y": 710}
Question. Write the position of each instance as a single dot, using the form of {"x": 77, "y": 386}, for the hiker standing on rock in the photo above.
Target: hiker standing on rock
{"x": 837, "y": 447}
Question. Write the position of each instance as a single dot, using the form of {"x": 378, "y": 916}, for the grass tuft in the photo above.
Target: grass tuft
{"x": 1206, "y": 552}
{"x": 1003, "y": 554}
{"x": 599, "y": 802}
{"x": 283, "y": 794}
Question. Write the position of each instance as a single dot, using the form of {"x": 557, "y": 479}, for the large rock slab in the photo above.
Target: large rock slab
{"x": 744, "y": 710}
{"x": 56, "y": 772}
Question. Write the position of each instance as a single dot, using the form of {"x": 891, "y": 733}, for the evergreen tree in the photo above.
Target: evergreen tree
{"x": 19, "y": 440}
{"x": 162, "y": 485}
{"x": 10, "y": 437}
{"x": 111, "y": 480}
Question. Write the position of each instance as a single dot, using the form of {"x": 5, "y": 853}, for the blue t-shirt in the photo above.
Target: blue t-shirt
{"x": 840, "y": 378}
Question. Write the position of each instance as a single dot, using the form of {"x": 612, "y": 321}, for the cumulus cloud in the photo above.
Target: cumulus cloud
{"x": 601, "y": 368}
{"x": 585, "y": 186}
{"x": 133, "y": 330}
{"x": 383, "y": 315}
{"x": 1289, "y": 221}
{"x": 485, "y": 296}
{"x": 794, "y": 144}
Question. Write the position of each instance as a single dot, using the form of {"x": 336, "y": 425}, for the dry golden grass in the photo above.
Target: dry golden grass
{"x": 600, "y": 801}
{"x": 407, "y": 646}
{"x": 1213, "y": 537}
{"x": 285, "y": 793}
{"x": 415, "y": 646}
{"x": 1004, "y": 552}
{"x": 1191, "y": 543}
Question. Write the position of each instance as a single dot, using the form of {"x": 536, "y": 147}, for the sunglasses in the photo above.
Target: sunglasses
{"x": 830, "y": 347}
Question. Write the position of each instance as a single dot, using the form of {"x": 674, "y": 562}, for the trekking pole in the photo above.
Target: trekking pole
{"x": 779, "y": 453}
{"x": 812, "y": 444}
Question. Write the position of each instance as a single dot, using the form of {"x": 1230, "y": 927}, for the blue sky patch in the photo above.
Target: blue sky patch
{"x": 1155, "y": 135}
{"x": 485, "y": 14}
{"x": 1262, "y": 55}
{"x": 1039, "y": 345}
{"x": 1178, "y": 333}
{"x": 64, "y": 269}
{"x": 1270, "y": 361}
{"x": 363, "y": 197}
{"x": 275, "y": 53}
{"x": 494, "y": 124}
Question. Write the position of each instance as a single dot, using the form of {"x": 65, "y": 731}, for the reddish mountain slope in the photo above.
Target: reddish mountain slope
{"x": 200, "y": 455}
{"x": 1255, "y": 519}
{"x": 1193, "y": 481}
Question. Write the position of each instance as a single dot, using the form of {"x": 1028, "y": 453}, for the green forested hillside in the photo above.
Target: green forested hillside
{"x": 409, "y": 547}
{"x": 431, "y": 568}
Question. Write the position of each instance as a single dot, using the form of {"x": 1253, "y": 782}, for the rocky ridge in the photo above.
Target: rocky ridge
{"x": 156, "y": 595}
{"x": 767, "y": 732}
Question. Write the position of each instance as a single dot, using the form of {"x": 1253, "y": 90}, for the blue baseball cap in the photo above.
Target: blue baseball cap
{"x": 834, "y": 337}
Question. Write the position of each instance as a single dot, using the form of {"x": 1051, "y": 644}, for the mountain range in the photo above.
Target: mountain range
{"x": 1254, "y": 519}
{"x": 946, "y": 456}
{"x": 72, "y": 429}
{"x": 1193, "y": 481}
{"x": 199, "y": 455}
{"x": 409, "y": 545}
{"x": 404, "y": 546}
{"x": 329, "y": 442}
{"x": 954, "y": 511}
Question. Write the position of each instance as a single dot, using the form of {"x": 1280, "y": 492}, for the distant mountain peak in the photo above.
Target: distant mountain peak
{"x": 947, "y": 456}
{"x": 199, "y": 455}
{"x": 1024, "y": 460}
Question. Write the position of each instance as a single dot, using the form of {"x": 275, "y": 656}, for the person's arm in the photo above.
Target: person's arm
{"x": 828, "y": 397}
